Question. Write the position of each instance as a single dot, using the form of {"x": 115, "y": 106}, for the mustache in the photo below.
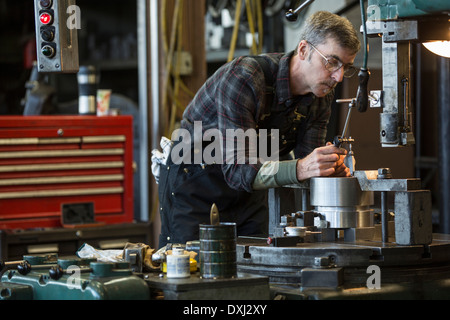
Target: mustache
{"x": 331, "y": 84}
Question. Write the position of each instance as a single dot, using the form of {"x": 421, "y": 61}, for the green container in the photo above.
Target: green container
{"x": 218, "y": 251}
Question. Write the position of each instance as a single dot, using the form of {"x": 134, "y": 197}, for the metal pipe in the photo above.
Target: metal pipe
{"x": 347, "y": 120}
{"x": 418, "y": 105}
{"x": 142, "y": 31}
{"x": 444, "y": 143}
{"x": 154, "y": 30}
{"x": 384, "y": 217}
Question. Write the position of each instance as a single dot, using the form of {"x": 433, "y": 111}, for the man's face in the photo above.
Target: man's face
{"x": 322, "y": 67}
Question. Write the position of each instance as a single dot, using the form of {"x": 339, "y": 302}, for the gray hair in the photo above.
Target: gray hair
{"x": 323, "y": 25}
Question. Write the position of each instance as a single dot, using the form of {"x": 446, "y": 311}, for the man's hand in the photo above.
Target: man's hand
{"x": 323, "y": 162}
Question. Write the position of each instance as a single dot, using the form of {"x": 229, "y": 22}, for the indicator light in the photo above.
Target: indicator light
{"x": 47, "y": 33}
{"x": 48, "y": 51}
{"x": 46, "y": 18}
{"x": 46, "y": 3}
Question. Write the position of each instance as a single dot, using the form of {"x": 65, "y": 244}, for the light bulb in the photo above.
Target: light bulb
{"x": 441, "y": 48}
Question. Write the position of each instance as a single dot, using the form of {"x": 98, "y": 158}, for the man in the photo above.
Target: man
{"x": 236, "y": 98}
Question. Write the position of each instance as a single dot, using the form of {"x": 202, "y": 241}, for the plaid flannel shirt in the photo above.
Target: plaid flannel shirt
{"x": 234, "y": 97}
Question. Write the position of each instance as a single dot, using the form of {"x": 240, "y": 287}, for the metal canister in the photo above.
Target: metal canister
{"x": 218, "y": 251}
{"x": 87, "y": 87}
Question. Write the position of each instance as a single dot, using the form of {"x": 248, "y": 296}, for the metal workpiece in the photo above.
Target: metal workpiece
{"x": 338, "y": 192}
{"x": 340, "y": 201}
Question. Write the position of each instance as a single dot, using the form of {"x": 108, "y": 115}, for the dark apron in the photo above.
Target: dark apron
{"x": 186, "y": 194}
{"x": 187, "y": 191}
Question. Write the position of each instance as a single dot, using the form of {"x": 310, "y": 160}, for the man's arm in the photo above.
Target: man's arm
{"x": 322, "y": 162}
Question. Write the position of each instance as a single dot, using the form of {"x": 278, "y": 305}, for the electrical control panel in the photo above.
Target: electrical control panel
{"x": 57, "y": 22}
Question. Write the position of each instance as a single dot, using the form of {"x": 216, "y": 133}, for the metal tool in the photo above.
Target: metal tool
{"x": 340, "y": 201}
{"x": 338, "y": 140}
{"x": 349, "y": 160}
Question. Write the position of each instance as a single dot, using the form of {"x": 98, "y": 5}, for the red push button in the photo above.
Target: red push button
{"x": 46, "y": 18}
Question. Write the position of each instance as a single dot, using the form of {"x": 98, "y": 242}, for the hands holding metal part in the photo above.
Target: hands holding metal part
{"x": 327, "y": 161}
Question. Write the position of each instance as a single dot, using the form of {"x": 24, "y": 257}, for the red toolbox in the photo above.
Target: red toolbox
{"x": 51, "y": 162}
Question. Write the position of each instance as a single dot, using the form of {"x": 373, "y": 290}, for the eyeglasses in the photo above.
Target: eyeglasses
{"x": 333, "y": 64}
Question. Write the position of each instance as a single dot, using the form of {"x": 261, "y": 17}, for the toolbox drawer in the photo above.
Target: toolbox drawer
{"x": 50, "y": 161}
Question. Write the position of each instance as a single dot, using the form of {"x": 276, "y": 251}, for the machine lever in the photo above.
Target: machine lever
{"x": 292, "y": 15}
{"x": 338, "y": 140}
{"x": 25, "y": 267}
{"x": 56, "y": 272}
{"x": 362, "y": 96}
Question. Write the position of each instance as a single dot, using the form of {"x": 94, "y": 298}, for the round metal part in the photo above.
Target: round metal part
{"x": 341, "y": 202}
{"x": 218, "y": 251}
{"x": 365, "y": 218}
